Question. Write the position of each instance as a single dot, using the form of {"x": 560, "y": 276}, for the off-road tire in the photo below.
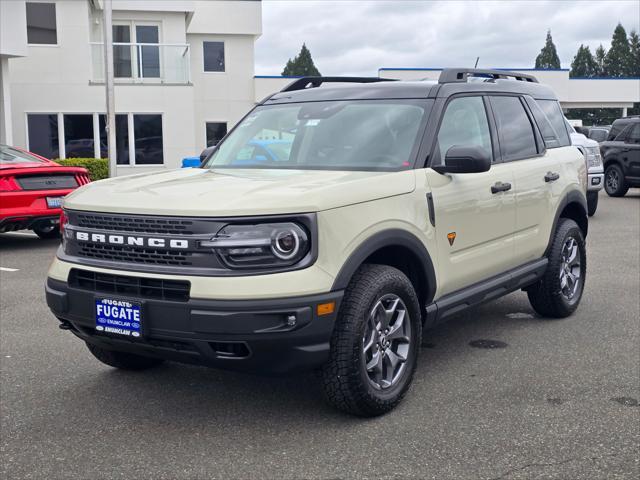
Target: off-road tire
{"x": 545, "y": 296}
{"x": 592, "y": 203}
{"x": 621, "y": 187}
{"x": 47, "y": 233}
{"x": 123, "y": 360}
{"x": 345, "y": 380}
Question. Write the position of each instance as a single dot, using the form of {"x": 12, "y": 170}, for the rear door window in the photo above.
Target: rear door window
{"x": 553, "y": 111}
{"x": 515, "y": 131}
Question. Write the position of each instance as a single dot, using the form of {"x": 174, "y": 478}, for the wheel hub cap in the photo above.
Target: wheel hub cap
{"x": 386, "y": 341}
{"x": 570, "y": 271}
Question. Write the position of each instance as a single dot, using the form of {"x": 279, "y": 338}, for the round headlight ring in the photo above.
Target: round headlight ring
{"x": 281, "y": 247}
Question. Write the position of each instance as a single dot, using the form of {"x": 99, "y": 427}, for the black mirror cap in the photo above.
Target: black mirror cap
{"x": 206, "y": 153}
{"x": 465, "y": 159}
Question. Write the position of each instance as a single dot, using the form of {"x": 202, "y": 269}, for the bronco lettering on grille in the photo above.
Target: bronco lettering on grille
{"x": 132, "y": 240}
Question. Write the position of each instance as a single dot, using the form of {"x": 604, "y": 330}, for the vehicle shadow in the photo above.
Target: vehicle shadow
{"x": 23, "y": 241}
{"x": 194, "y": 396}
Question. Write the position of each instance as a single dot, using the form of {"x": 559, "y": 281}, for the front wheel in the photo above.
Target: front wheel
{"x": 375, "y": 343}
{"x": 592, "y": 203}
{"x": 614, "y": 183}
{"x": 47, "y": 232}
{"x": 558, "y": 293}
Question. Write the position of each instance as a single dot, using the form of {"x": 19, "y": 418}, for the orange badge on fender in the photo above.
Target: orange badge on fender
{"x": 451, "y": 237}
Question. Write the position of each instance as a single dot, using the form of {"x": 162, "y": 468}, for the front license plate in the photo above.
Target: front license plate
{"x": 118, "y": 317}
{"x": 54, "y": 202}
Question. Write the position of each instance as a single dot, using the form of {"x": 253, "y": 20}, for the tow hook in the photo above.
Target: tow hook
{"x": 64, "y": 325}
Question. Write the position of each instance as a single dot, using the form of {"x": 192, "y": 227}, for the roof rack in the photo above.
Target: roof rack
{"x": 312, "y": 82}
{"x": 459, "y": 75}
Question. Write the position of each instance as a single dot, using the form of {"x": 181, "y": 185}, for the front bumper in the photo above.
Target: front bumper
{"x": 247, "y": 335}
{"x": 595, "y": 180}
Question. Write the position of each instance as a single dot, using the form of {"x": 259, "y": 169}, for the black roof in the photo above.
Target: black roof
{"x": 452, "y": 81}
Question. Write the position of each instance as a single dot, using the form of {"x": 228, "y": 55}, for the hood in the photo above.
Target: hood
{"x": 580, "y": 140}
{"x": 237, "y": 192}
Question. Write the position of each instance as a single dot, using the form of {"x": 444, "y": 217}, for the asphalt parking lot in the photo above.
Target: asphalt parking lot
{"x": 560, "y": 401}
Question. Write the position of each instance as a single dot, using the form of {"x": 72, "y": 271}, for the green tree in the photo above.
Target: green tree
{"x": 583, "y": 65}
{"x": 301, "y": 65}
{"x": 634, "y": 47}
{"x": 548, "y": 59}
{"x": 601, "y": 53}
{"x": 617, "y": 62}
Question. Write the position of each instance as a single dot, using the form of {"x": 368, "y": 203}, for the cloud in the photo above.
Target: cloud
{"x": 358, "y": 37}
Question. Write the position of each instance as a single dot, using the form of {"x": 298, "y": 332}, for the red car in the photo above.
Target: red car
{"x": 31, "y": 190}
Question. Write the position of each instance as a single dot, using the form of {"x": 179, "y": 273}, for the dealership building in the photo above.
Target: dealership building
{"x": 184, "y": 75}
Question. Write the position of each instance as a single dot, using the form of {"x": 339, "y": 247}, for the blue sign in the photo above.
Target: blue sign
{"x": 119, "y": 317}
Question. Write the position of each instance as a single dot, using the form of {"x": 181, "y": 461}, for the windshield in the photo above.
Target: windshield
{"x": 12, "y": 156}
{"x": 336, "y": 135}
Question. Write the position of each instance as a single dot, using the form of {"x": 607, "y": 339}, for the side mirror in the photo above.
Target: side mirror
{"x": 465, "y": 159}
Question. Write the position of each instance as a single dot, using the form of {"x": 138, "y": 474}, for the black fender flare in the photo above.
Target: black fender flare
{"x": 388, "y": 238}
{"x": 572, "y": 197}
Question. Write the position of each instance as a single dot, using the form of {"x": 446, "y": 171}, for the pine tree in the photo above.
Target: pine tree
{"x": 583, "y": 65}
{"x": 548, "y": 59}
{"x": 618, "y": 58}
{"x": 301, "y": 65}
{"x": 601, "y": 54}
{"x": 634, "y": 48}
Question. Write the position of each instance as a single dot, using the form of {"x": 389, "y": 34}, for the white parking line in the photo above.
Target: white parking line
{"x": 24, "y": 234}
{"x": 6, "y": 269}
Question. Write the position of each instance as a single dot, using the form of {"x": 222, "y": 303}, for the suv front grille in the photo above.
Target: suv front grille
{"x": 121, "y": 223}
{"x": 175, "y": 290}
{"x": 117, "y": 253}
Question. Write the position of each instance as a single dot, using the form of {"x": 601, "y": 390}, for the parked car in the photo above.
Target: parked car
{"x": 31, "y": 191}
{"x": 591, "y": 151}
{"x": 399, "y": 205}
{"x": 621, "y": 154}
{"x": 599, "y": 134}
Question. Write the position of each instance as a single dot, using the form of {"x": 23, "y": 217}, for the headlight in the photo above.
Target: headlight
{"x": 264, "y": 245}
{"x": 592, "y": 155}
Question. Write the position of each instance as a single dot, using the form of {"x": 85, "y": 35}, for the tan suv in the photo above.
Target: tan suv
{"x": 329, "y": 229}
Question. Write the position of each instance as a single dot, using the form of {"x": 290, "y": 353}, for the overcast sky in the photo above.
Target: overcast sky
{"x": 358, "y": 37}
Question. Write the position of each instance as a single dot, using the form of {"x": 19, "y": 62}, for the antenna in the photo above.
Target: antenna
{"x": 477, "y": 60}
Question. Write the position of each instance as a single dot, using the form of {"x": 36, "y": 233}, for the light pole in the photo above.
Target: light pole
{"x": 108, "y": 81}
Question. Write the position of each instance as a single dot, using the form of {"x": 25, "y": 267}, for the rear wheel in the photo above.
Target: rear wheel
{"x": 375, "y": 343}
{"x": 614, "y": 183}
{"x": 558, "y": 293}
{"x": 592, "y": 203}
{"x": 123, "y": 360}
{"x": 47, "y": 232}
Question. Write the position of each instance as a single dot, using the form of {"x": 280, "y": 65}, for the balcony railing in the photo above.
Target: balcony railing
{"x": 152, "y": 63}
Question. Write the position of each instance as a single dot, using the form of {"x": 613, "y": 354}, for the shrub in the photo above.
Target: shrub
{"x": 98, "y": 167}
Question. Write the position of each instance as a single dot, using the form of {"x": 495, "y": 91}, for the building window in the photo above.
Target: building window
{"x": 43, "y": 134}
{"x": 121, "y": 53}
{"x": 215, "y": 132}
{"x": 41, "y": 23}
{"x": 122, "y": 138}
{"x": 213, "y": 56}
{"x": 147, "y": 132}
{"x": 78, "y": 136}
{"x": 134, "y": 51}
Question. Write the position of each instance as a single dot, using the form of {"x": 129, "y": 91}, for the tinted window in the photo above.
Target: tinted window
{"x": 464, "y": 124}
{"x": 549, "y": 134}
{"x": 148, "y": 139}
{"x": 622, "y": 135}
{"x": 514, "y": 128}
{"x": 122, "y": 138}
{"x": 634, "y": 134}
{"x": 553, "y": 111}
{"x": 213, "y": 56}
{"x": 121, "y": 53}
{"x": 215, "y": 132}
{"x": 78, "y": 136}
{"x": 43, "y": 134}
{"x": 41, "y": 23}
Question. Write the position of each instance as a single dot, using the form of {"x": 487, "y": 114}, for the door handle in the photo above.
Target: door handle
{"x": 500, "y": 187}
{"x": 551, "y": 177}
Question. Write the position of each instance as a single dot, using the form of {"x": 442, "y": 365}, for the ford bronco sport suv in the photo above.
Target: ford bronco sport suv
{"x": 389, "y": 207}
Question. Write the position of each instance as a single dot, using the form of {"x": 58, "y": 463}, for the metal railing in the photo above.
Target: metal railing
{"x": 152, "y": 63}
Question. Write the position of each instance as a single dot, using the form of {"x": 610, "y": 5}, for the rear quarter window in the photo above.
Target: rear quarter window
{"x": 515, "y": 131}
{"x": 553, "y": 112}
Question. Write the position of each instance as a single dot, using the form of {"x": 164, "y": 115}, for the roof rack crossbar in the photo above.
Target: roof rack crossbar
{"x": 460, "y": 75}
{"x": 312, "y": 82}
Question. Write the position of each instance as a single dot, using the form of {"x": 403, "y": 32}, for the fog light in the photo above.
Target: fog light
{"x": 291, "y": 320}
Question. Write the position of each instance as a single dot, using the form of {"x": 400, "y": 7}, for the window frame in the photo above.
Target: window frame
{"x": 136, "y": 73}
{"x": 206, "y": 140}
{"x": 537, "y": 136}
{"x": 438, "y": 113}
{"x": 50, "y": 45}
{"x": 224, "y": 52}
